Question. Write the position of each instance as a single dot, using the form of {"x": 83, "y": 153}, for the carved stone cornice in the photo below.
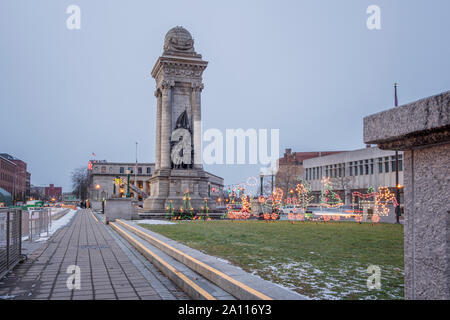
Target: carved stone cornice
{"x": 167, "y": 84}
{"x": 176, "y": 66}
{"x": 197, "y": 86}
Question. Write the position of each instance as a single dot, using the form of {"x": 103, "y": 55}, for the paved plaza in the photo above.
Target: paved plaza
{"x": 109, "y": 270}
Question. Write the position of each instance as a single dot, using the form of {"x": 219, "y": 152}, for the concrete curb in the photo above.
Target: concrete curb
{"x": 187, "y": 285}
{"x": 227, "y": 283}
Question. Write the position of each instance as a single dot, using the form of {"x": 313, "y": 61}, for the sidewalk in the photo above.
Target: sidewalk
{"x": 107, "y": 272}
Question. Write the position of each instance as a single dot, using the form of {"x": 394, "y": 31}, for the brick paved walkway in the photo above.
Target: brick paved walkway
{"x": 107, "y": 273}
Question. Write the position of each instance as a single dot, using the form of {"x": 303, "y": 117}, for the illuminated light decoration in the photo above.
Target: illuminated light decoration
{"x": 267, "y": 217}
{"x": 304, "y": 196}
{"x": 90, "y": 165}
{"x": 382, "y": 200}
{"x": 299, "y": 217}
{"x": 358, "y": 218}
{"x": 170, "y": 210}
{"x": 329, "y": 198}
{"x": 291, "y": 217}
{"x": 326, "y": 218}
{"x": 274, "y": 216}
{"x": 336, "y": 217}
{"x": 375, "y": 218}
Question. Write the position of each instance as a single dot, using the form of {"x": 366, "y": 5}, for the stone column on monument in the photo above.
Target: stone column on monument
{"x": 158, "y": 130}
{"x": 196, "y": 121}
{"x": 166, "y": 123}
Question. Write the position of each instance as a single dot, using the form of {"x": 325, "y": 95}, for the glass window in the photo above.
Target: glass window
{"x": 140, "y": 170}
{"x": 380, "y": 165}
{"x": 361, "y": 167}
{"x": 394, "y": 164}
{"x": 371, "y": 166}
{"x": 149, "y": 170}
{"x": 386, "y": 164}
{"x": 400, "y": 162}
{"x": 122, "y": 170}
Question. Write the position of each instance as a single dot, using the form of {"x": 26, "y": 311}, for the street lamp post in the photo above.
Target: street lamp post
{"x": 272, "y": 181}
{"x": 97, "y": 187}
{"x": 128, "y": 183}
{"x": 261, "y": 176}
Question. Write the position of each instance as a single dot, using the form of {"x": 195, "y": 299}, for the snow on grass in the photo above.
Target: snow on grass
{"x": 344, "y": 281}
{"x": 148, "y": 221}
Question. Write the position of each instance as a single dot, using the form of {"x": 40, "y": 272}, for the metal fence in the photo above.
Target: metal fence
{"x": 10, "y": 239}
{"x": 36, "y": 223}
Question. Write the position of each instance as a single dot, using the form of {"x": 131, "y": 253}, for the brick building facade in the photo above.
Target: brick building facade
{"x": 53, "y": 193}
{"x": 14, "y": 177}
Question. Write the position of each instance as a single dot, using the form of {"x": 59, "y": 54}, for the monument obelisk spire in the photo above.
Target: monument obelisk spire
{"x": 178, "y": 164}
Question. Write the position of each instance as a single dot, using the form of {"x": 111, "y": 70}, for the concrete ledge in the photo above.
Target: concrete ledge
{"x": 424, "y": 122}
{"x": 60, "y": 214}
{"x": 229, "y": 278}
{"x": 188, "y": 286}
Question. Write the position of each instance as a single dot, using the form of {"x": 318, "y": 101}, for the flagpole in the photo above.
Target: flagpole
{"x": 135, "y": 170}
{"x": 397, "y": 186}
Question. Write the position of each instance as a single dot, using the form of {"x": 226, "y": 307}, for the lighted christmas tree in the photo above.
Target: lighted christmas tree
{"x": 329, "y": 198}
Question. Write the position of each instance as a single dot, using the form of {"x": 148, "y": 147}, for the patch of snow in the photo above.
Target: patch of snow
{"x": 148, "y": 221}
{"x": 57, "y": 224}
{"x": 6, "y": 297}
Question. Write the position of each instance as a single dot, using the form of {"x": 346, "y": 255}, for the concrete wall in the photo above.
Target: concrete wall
{"x": 427, "y": 223}
{"x": 422, "y": 130}
{"x": 120, "y": 208}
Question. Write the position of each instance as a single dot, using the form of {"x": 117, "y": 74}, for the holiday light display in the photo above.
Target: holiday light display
{"x": 170, "y": 210}
{"x": 329, "y": 198}
{"x": 375, "y": 218}
{"x": 382, "y": 200}
{"x": 304, "y": 196}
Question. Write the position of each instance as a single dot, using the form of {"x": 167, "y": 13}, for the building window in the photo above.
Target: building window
{"x": 122, "y": 170}
{"x": 103, "y": 169}
{"x": 149, "y": 170}
{"x": 400, "y": 162}
{"x": 350, "y": 166}
{"x": 380, "y": 165}
{"x": 393, "y": 164}
{"x": 140, "y": 170}
{"x": 361, "y": 167}
{"x": 371, "y": 166}
{"x": 386, "y": 164}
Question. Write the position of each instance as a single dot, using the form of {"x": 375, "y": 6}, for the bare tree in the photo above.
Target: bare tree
{"x": 343, "y": 183}
{"x": 80, "y": 182}
{"x": 288, "y": 176}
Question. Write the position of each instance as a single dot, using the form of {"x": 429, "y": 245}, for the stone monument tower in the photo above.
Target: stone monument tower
{"x": 178, "y": 164}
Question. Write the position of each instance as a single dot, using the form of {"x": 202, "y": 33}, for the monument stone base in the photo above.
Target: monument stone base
{"x": 170, "y": 187}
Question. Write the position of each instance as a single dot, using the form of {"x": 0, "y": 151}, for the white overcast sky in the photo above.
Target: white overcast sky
{"x": 310, "y": 68}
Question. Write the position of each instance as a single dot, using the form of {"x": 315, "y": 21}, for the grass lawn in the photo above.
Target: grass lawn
{"x": 320, "y": 260}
